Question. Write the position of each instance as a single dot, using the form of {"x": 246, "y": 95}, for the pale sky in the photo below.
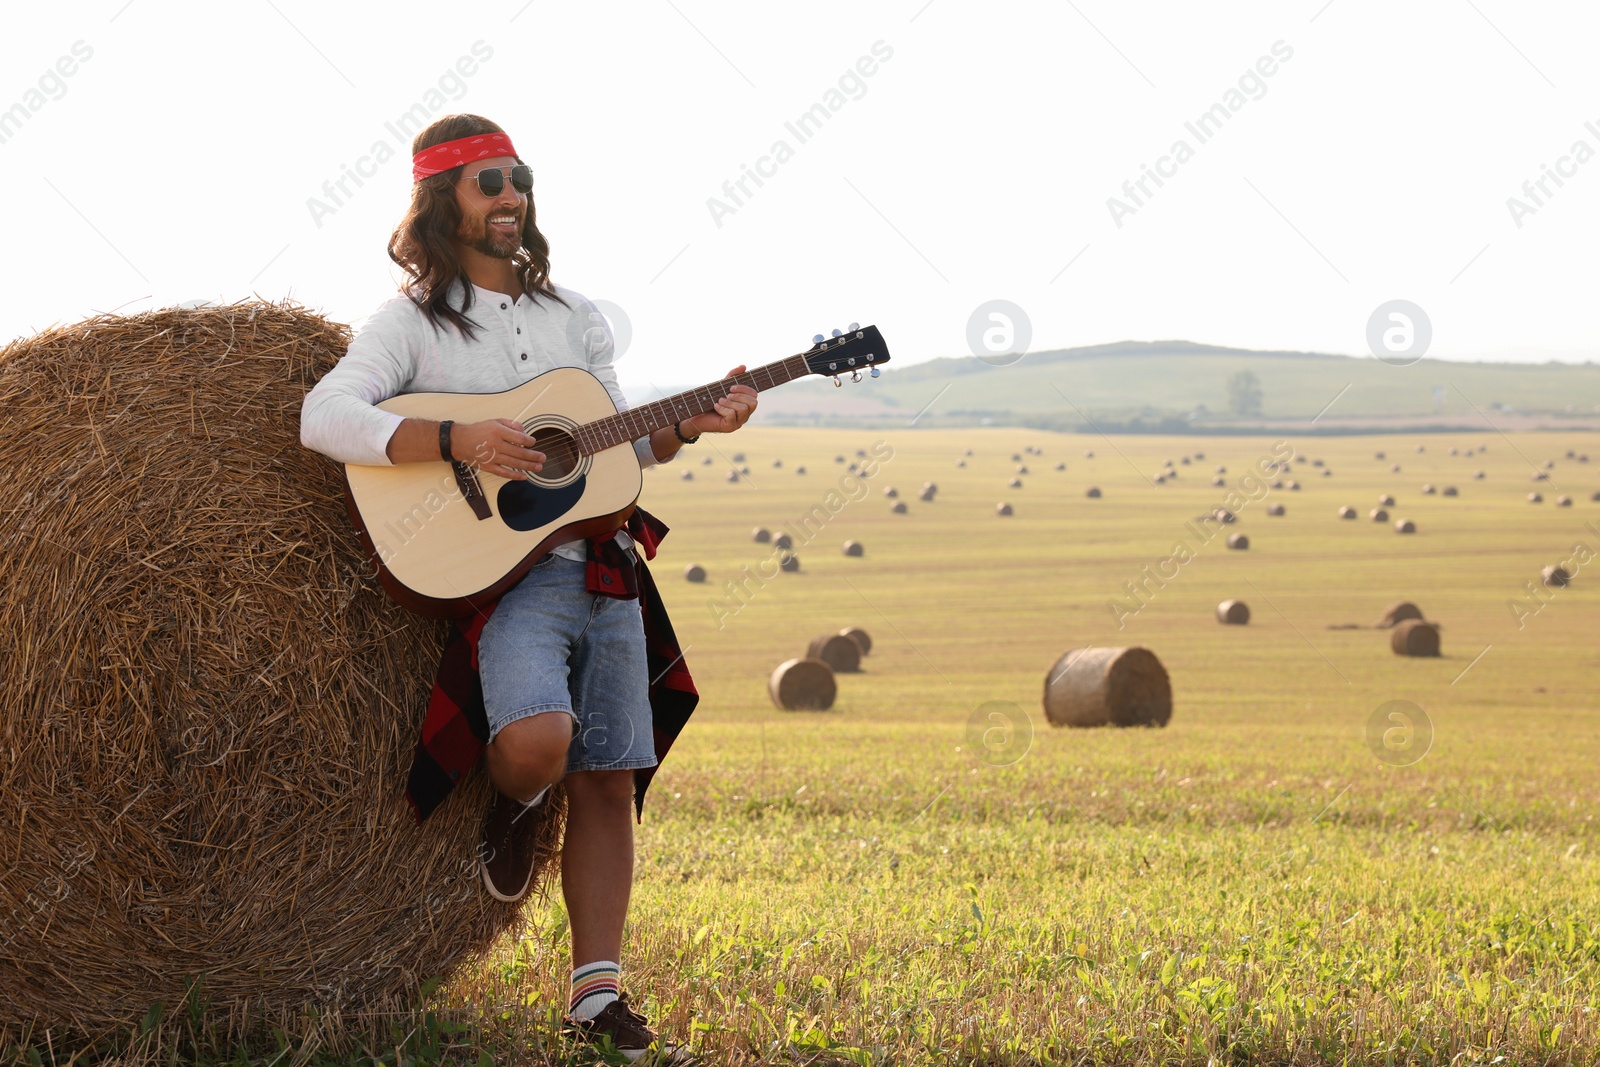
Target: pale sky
{"x": 178, "y": 158}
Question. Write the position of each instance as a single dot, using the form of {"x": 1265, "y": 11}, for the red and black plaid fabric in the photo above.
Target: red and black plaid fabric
{"x": 456, "y": 726}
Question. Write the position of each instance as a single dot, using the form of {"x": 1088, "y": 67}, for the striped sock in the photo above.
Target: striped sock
{"x": 594, "y": 985}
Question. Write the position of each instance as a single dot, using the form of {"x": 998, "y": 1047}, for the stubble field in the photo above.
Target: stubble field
{"x": 907, "y": 878}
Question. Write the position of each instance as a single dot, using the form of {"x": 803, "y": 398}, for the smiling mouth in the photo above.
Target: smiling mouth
{"x": 506, "y": 223}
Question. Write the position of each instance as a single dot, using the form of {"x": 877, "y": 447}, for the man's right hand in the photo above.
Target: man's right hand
{"x": 498, "y": 446}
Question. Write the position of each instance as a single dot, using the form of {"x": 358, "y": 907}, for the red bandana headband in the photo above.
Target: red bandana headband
{"x": 450, "y": 154}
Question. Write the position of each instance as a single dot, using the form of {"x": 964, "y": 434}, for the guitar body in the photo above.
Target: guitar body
{"x": 434, "y": 554}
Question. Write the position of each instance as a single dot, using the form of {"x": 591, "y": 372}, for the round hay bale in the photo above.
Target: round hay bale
{"x": 1219, "y": 481}
{"x": 1327, "y": 472}
{"x": 853, "y": 548}
{"x": 1535, "y": 498}
{"x": 1398, "y": 612}
{"x": 687, "y": 476}
{"x": 777, "y": 463}
{"x": 862, "y": 639}
{"x": 1386, "y": 500}
{"x": 1223, "y": 515}
{"x": 1294, "y": 487}
{"x": 744, "y": 470}
{"x": 1563, "y": 501}
{"x": 1596, "y": 496}
{"x": 761, "y": 535}
{"x": 789, "y": 563}
{"x": 961, "y": 463}
{"x": 694, "y": 573}
{"x": 1421, "y": 448}
{"x": 930, "y": 487}
{"x": 1428, "y": 489}
{"x": 1549, "y": 463}
{"x": 1015, "y": 483}
{"x": 782, "y": 541}
{"x": 925, "y": 496}
{"x": 1395, "y": 469}
{"x": 890, "y": 491}
{"x": 1414, "y": 637}
{"x": 838, "y": 459}
{"x": 733, "y": 476}
{"x": 1161, "y": 479}
{"x": 1088, "y": 454}
{"x": 1276, "y": 510}
{"x": 837, "y": 651}
{"x": 1540, "y": 476}
{"x": 1233, "y": 612}
{"x": 1061, "y": 466}
{"x": 1108, "y": 686}
{"x": 1554, "y": 575}
{"x": 706, "y": 462}
{"x": 1479, "y": 475}
{"x": 968, "y": 452}
{"x": 802, "y": 685}
{"x": 1449, "y": 490}
{"x": 1002, "y": 509}
{"x": 1277, "y": 483}
{"x": 800, "y": 469}
{"x": 861, "y": 453}
{"x": 1093, "y": 492}
{"x": 1016, "y": 457}
{"x": 738, "y": 457}
{"x": 1452, "y": 450}
{"x": 1022, "y": 468}
{"x": 1238, "y": 542}
{"x": 1378, "y": 515}
{"x": 1316, "y": 463}
{"x": 1199, "y": 455}
{"x": 1222, "y": 470}
{"x": 1184, "y": 460}
{"x": 210, "y": 703}
{"x": 1379, "y": 455}
{"x": 897, "y": 508}
{"x": 1347, "y": 512}
{"x": 1405, "y": 526}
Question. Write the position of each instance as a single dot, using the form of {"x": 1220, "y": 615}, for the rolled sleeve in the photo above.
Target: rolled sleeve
{"x": 339, "y": 417}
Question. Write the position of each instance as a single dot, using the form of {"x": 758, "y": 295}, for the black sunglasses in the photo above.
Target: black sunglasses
{"x": 491, "y": 180}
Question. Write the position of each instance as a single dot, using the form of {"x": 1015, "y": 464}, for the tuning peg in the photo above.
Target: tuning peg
{"x": 855, "y": 376}
{"x": 854, "y": 326}
{"x": 837, "y": 384}
{"x": 875, "y": 372}
{"x": 817, "y": 340}
{"x": 838, "y": 333}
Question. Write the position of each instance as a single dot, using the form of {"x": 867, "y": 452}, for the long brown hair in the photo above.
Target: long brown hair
{"x": 422, "y": 243}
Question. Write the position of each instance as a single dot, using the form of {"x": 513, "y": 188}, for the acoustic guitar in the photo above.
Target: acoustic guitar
{"x": 447, "y": 537}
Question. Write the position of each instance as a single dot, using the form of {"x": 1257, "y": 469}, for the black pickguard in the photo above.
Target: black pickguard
{"x": 527, "y": 506}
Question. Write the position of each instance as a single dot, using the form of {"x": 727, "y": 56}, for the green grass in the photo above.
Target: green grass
{"x": 1250, "y": 884}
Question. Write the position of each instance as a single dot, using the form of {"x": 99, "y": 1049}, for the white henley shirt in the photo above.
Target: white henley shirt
{"x": 396, "y": 350}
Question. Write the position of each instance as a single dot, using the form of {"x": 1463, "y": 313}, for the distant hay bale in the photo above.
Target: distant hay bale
{"x": 861, "y": 453}
{"x": 1161, "y": 479}
{"x": 1238, "y": 542}
{"x": 1596, "y": 496}
{"x": 761, "y": 535}
{"x": 836, "y": 650}
{"x": 897, "y": 508}
{"x": 961, "y": 463}
{"x": 1327, "y": 472}
{"x": 1563, "y": 501}
{"x": 1449, "y": 490}
{"x": 1421, "y": 448}
{"x": 1089, "y": 454}
{"x": 738, "y": 457}
{"x": 1223, "y": 515}
{"x": 782, "y": 541}
{"x": 1184, "y": 461}
{"x": 1002, "y": 509}
{"x": 1093, "y": 492}
{"x": 1415, "y": 638}
{"x": 802, "y": 685}
{"x": 1405, "y": 526}
{"x": 777, "y": 463}
{"x": 1222, "y": 470}
{"x": 1277, "y": 483}
{"x": 744, "y": 470}
{"x": 1108, "y": 686}
{"x": 789, "y": 562}
{"x": 209, "y": 702}
{"x": 1219, "y": 481}
{"x": 1452, "y": 450}
{"x": 1276, "y": 510}
{"x": 1022, "y": 468}
{"x": 968, "y": 452}
{"x": 694, "y": 573}
{"x": 1535, "y": 498}
{"x": 1199, "y": 455}
{"x": 1347, "y": 512}
{"x": 838, "y": 459}
{"x": 1316, "y": 463}
{"x": 800, "y": 469}
{"x": 1016, "y": 456}
{"x": 1428, "y": 489}
{"x": 1061, "y": 466}
{"x": 1479, "y": 475}
{"x": 1386, "y": 500}
{"x": 687, "y": 476}
{"x": 930, "y": 487}
{"x": 1015, "y": 483}
{"x": 1397, "y": 613}
{"x": 1294, "y": 487}
{"x": 925, "y": 495}
{"x": 1233, "y": 612}
{"x": 1378, "y": 515}
{"x": 862, "y": 639}
{"x": 733, "y": 476}
{"x": 1554, "y": 575}
{"x": 1395, "y": 469}
{"x": 890, "y": 491}
{"x": 1379, "y": 455}
{"x": 707, "y": 461}
{"x": 1540, "y": 476}
{"x": 853, "y": 548}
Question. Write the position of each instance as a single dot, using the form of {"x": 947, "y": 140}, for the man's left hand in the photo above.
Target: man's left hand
{"x": 732, "y": 411}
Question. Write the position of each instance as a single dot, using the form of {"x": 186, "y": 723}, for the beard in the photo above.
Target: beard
{"x": 478, "y": 235}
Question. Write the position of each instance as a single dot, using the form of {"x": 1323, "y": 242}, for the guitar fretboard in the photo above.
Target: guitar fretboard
{"x": 645, "y": 419}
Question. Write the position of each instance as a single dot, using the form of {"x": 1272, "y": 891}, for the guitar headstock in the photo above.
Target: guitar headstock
{"x": 860, "y": 348}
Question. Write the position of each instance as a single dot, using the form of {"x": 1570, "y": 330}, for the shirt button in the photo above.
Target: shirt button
{"x": 606, "y": 578}
{"x": 524, "y": 355}
{"x": 502, "y": 306}
{"x": 519, "y": 329}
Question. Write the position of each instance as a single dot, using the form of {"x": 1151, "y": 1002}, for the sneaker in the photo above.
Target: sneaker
{"x": 507, "y": 851}
{"x": 618, "y": 1027}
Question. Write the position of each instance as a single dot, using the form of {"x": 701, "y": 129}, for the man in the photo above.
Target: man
{"x": 563, "y": 671}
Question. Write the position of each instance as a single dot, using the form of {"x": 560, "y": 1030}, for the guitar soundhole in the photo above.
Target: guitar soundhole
{"x": 561, "y": 456}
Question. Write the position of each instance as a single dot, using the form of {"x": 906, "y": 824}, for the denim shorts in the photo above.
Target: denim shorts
{"x": 550, "y": 645}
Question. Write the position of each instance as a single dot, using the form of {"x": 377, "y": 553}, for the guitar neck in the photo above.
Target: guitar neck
{"x": 645, "y": 419}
